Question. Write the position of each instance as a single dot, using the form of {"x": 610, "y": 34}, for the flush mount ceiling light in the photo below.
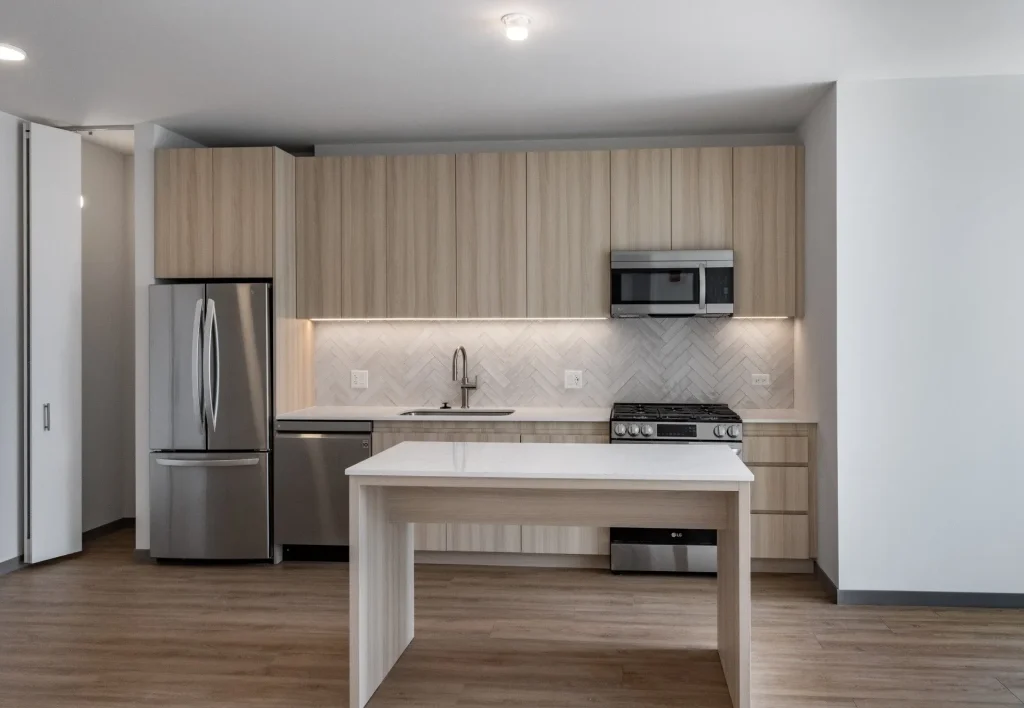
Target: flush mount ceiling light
{"x": 11, "y": 53}
{"x": 517, "y": 26}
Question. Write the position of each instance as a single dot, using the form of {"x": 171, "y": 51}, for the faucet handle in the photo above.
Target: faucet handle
{"x": 468, "y": 382}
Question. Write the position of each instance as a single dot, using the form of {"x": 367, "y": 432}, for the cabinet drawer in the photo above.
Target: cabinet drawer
{"x": 430, "y": 537}
{"x": 776, "y": 450}
{"x": 779, "y": 536}
{"x": 779, "y": 489}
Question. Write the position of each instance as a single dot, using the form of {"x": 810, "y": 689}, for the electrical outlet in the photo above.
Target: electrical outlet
{"x": 360, "y": 378}
{"x": 573, "y": 378}
{"x": 761, "y": 379}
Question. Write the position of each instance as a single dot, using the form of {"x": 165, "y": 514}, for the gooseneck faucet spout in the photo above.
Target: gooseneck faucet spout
{"x": 466, "y": 384}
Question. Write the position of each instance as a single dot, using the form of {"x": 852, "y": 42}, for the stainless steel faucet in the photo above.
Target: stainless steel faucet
{"x": 466, "y": 384}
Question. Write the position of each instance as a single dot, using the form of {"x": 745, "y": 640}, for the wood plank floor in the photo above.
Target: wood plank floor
{"x": 100, "y": 630}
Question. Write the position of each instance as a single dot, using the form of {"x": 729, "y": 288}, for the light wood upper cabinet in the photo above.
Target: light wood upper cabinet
{"x": 568, "y": 234}
{"x": 765, "y": 230}
{"x": 318, "y": 236}
{"x": 243, "y": 212}
{"x": 702, "y": 197}
{"x": 183, "y": 236}
{"x": 491, "y": 228}
{"x": 421, "y": 256}
{"x": 364, "y": 237}
{"x": 641, "y": 200}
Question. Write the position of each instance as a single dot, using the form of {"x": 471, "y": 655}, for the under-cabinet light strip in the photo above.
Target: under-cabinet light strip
{"x": 456, "y": 319}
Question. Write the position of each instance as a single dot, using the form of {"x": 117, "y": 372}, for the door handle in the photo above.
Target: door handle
{"x": 197, "y": 390}
{"x": 46, "y": 416}
{"x": 703, "y": 285}
{"x": 211, "y": 342}
{"x": 234, "y": 462}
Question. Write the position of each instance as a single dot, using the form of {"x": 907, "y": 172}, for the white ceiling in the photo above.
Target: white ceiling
{"x": 301, "y": 72}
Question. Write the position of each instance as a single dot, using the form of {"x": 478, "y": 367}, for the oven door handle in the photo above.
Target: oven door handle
{"x": 703, "y": 285}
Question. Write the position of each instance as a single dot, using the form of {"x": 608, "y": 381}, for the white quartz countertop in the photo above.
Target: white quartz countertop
{"x": 638, "y": 463}
{"x": 379, "y": 413}
{"x": 774, "y": 415}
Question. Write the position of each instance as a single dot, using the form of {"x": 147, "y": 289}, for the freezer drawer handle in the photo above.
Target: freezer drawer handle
{"x": 239, "y": 462}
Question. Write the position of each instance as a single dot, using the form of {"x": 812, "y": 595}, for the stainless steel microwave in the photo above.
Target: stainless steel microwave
{"x": 672, "y": 283}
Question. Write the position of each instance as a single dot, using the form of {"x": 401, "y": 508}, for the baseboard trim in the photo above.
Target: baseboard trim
{"x": 10, "y": 566}
{"x": 512, "y": 560}
{"x": 107, "y": 529}
{"x": 990, "y": 600}
{"x": 826, "y": 582}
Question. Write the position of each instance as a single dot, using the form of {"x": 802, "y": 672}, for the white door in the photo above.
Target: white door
{"x": 53, "y": 489}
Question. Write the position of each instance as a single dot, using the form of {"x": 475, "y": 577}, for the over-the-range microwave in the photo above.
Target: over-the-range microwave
{"x": 672, "y": 283}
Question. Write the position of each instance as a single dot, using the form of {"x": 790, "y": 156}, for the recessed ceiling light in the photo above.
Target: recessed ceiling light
{"x": 517, "y": 26}
{"x": 11, "y": 53}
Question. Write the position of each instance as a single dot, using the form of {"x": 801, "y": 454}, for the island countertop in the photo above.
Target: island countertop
{"x": 532, "y": 461}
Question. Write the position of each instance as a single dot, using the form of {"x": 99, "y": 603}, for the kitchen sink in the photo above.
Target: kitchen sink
{"x": 458, "y": 413}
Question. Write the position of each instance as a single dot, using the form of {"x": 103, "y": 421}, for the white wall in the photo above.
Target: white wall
{"x": 930, "y": 345}
{"x": 106, "y": 352}
{"x": 148, "y": 138}
{"x": 10, "y": 338}
{"x": 815, "y": 333}
{"x": 128, "y": 335}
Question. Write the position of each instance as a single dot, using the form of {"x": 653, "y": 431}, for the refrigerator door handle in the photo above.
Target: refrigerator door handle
{"x": 233, "y": 462}
{"x": 216, "y": 347}
{"x": 197, "y": 387}
{"x": 208, "y": 387}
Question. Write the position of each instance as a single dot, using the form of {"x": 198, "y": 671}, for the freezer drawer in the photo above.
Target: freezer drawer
{"x": 209, "y": 506}
{"x": 310, "y": 486}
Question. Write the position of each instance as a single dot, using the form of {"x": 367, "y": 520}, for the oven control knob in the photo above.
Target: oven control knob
{"x": 734, "y": 431}
{"x": 634, "y": 429}
{"x": 719, "y": 431}
{"x": 647, "y": 430}
{"x": 619, "y": 429}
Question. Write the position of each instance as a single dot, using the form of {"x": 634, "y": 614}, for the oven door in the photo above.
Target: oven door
{"x": 734, "y": 445}
{"x": 671, "y": 284}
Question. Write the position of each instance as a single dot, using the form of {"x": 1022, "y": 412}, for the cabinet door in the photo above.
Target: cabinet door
{"x": 183, "y": 236}
{"x": 427, "y": 537}
{"x": 364, "y": 237}
{"x": 421, "y": 236}
{"x": 641, "y": 194}
{"x": 318, "y": 259}
{"x": 243, "y": 212}
{"x": 765, "y": 230}
{"x": 702, "y": 198}
{"x": 570, "y": 540}
{"x": 491, "y": 229}
{"x": 568, "y": 234}
{"x": 779, "y": 536}
{"x": 487, "y": 538}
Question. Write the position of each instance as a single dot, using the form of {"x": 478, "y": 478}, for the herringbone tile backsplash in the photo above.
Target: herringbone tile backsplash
{"x": 523, "y": 363}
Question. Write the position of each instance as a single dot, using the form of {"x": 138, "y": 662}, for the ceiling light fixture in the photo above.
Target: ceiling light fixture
{"x": 11, "y": 53}
{"x": 517, "y": 26}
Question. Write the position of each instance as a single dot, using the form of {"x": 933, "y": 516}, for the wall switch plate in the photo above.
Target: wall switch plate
{"x": 761, "y": 379}
{"x": 360, "y": 378}
{"x": 573, "y": 378}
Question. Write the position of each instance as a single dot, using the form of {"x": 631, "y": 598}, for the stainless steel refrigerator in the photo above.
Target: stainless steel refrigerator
{"x": 209, "y": 421}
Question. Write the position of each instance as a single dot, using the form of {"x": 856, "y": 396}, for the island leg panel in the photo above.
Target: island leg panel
{"x": 734, "y": 597}
{"x": 380, "y": 590}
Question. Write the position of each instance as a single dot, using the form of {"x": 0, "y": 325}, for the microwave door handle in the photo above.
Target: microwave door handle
{"x": 703, "y": 285}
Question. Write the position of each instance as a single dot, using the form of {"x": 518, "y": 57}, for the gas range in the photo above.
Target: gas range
{"x": 675, "y": 422}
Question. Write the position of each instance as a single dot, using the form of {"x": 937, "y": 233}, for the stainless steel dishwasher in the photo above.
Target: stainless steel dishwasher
{"x": 310, "y": 486}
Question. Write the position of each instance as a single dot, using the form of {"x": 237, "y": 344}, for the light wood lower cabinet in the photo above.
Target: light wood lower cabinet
{"x": 428, "y": 537}
{"x": 783, "y": 496}
{"x": 486, "y": 538}
{"x": 566, "y": 540}
{"x": 779, "y": 536}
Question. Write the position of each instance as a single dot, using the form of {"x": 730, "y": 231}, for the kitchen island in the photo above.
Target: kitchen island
{"x": 694, "y": 486}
